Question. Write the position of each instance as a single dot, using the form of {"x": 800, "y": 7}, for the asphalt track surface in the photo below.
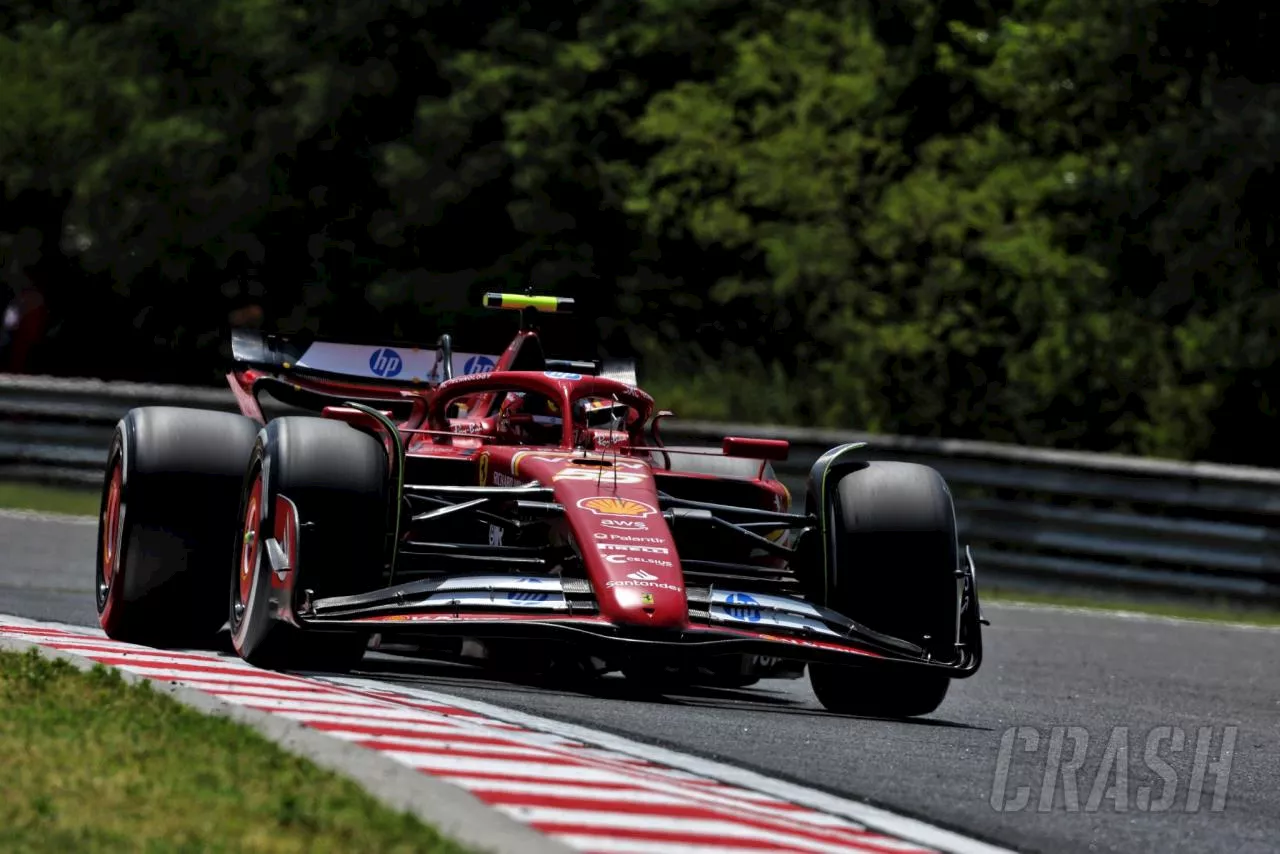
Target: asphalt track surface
{"x": 1117, "y": 679}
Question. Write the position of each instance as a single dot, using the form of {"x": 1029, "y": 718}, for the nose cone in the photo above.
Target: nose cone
{"x": 632, "y": 595}
{"x": 627, "y": 549}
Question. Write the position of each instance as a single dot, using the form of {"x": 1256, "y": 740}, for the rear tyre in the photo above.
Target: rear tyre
{"x": 334, "y": 478}
{"x": 895, "y": 563}
{"x": 167, "y": 516}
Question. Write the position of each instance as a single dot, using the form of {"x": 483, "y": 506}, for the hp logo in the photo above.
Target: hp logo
{"x": 740, "y": 606}
{"x": 529, "y": 595}
{"x": 478, "y": 365}
{"x": 386, "y": 362}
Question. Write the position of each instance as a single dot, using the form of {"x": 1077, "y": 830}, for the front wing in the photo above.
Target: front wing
{"x": 722, "y": 622}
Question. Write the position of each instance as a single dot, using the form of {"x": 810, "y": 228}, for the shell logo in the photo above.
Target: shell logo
{"x": 602, "y": 506}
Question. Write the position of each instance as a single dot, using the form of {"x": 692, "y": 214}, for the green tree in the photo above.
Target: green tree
{"x": 1041, "y": 221}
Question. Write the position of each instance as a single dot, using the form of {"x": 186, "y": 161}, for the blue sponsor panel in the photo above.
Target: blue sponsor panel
{"x": 768, "y": 610}
{"x": 561, "y": 375}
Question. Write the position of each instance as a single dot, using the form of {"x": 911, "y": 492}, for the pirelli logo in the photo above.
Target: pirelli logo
{"x": 620, "y": 547}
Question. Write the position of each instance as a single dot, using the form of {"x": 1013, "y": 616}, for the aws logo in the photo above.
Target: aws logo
{"x": 625, "y": 524}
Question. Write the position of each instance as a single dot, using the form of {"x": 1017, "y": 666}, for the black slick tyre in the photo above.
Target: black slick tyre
{"x": 319, "y": 488}
{"x": 894, "y": 571}
{"x": 165, "y": 522}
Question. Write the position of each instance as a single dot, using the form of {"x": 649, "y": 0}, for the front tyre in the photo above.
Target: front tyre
{"x": 894, "y": 571}
{"x": 167, "y": 513}
{"x": 319, "y": 488}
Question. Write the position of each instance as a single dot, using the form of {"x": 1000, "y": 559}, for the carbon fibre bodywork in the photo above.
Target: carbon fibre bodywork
{"x": 602, "y": 544}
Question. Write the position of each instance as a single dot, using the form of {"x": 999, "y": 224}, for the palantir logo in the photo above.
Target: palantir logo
{"x": 478, "y": 365}
{"x": 385, "y": 362}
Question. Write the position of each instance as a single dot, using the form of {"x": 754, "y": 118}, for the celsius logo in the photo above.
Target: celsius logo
{"x": 478, "y": 365}
{"x": 385, "y": 362}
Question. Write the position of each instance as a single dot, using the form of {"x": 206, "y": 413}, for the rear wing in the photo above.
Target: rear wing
{"x": 393, "y": 365}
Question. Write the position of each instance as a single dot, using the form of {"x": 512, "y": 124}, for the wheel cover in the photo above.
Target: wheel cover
{"x": 251, "y": 543}
{"x": 112, "y": 525}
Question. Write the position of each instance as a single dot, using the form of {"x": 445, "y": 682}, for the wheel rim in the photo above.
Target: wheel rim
{"x": 112, "y": 523}
{"x": 250, "y": 546}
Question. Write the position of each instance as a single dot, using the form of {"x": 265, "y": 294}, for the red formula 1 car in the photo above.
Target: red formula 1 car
{"x": 520, "y": 508}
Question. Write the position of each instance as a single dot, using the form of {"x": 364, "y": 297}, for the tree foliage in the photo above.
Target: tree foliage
{"x": 1043, "y": 221}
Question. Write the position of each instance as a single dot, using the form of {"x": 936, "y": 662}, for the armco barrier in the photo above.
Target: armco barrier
{"x": 1039, "y": 518}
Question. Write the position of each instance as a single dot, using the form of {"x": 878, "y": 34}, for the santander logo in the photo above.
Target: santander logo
{"x": 641, "y": 578}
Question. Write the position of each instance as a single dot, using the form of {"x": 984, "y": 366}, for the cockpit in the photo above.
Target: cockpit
{"x": 530, "y": 418}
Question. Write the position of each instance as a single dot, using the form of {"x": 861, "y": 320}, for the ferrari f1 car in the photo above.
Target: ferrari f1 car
{"x": 504, "y": 505}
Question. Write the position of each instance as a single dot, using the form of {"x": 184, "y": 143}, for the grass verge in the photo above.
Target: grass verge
{"x": 49, "y": 499}
{"x": 1210, "y": 614}
{"x": 95, "y": 764}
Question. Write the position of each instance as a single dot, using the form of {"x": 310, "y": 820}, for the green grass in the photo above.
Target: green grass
{"x": 50, "y": 499}
{"x": 1208, "y": 613}
{"x": 94, "y": 764}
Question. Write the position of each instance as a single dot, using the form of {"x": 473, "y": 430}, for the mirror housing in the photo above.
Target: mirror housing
{"x": 756, "y": 449}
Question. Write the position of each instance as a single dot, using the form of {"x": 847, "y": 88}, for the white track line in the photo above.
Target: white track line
{"x": 910, "y": 829}
{"x": 588, "y": 789}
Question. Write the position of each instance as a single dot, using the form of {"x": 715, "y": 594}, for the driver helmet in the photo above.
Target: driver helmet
{"x": 543, "y": 424}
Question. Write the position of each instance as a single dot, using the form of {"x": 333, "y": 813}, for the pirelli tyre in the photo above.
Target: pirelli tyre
{"x": 166, "y": 523}
{"x": 318, "y": 488}
{"x": 896, "y": 559}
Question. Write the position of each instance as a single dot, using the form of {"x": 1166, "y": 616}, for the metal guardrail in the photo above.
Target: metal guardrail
{"x": 1043, "y": 519}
